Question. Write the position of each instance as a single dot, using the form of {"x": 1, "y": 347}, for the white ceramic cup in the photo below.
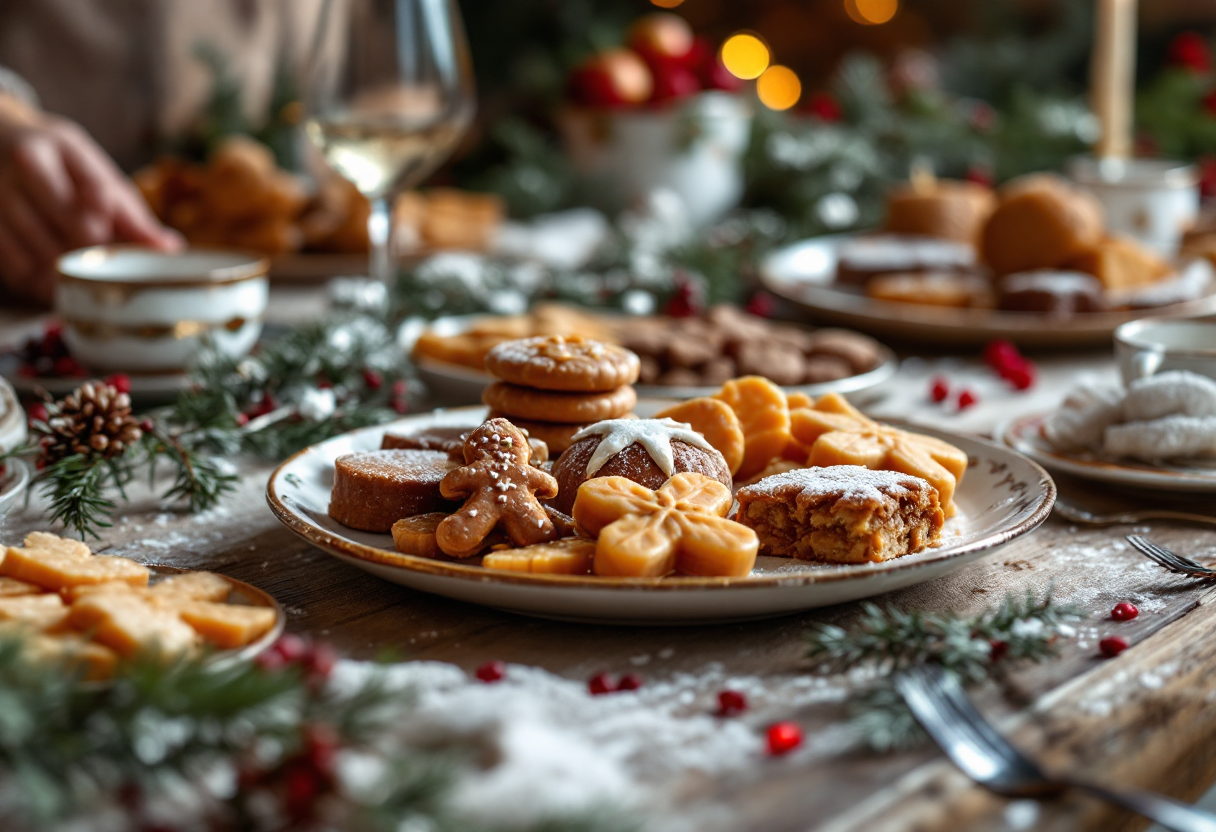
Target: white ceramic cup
{"x": 694, "y": 150}
{"x": 134, "y": 310}
{"x": 1154, "y": 201}
{"x": 1154, "y": 345}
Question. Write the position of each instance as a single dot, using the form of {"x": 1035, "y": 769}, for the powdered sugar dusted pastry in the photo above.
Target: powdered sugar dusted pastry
{"x": 1174, "y": 393}
{"x": 1083, "y": 418}
{"x": 1166, "y": 438}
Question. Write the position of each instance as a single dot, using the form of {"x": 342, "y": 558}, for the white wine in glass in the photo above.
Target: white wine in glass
{"x": 389, "y": 95}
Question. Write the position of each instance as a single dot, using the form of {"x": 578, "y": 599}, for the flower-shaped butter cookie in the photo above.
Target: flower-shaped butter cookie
{"x": 681, "y": 527}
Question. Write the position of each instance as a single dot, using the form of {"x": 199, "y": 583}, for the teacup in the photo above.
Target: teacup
{"x": 131, "y": 309}
{"x": 1154, "y": 345}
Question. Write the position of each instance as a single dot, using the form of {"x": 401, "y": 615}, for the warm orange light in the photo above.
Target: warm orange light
{"x": 871, "y": 12}
{"x": 779, "y": 88}
{"x": 745, "y": 56}
{"x": 667, "y": 4}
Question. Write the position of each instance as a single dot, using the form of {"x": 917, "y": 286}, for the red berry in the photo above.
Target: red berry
{"x": 998, "y": 649}
{"x": 1112, "y": 646}
{"x": 600, "y": 684}
{"x": 324, "y": 383}
{"x": 761, "y": 304}
{"x": 783, "y": 737}
{"x": 491, "y": 672}
{"x": 147, "y": 426}
{"x": 242, "y": 419}
{"x": 303, "y": 785}
{"x": 731, "y": 702}
{"x": 290, "y": 647}
{"x": 1190, "y": 51}
{"x": 321, "y": 662}
{"x": 980, "y": 175}
{"x": 630, "y": 681}
{"x": 1021, "y": 376}
{"x": 1124, "y": 611}
{"x": 1207, "y": 175}
{"x": 27, "y": 370}
{"x": 1000, "y": 354}
{"x": 372, "y": 379}
{"x": 119, "y": 381}
{"x": 673, "y": 81}
{"x": 401, "y": 406}
{"x": 68, "y": 366}
{"x": 38, "y": 412}
{"x": 939, "y": 390}
{"x": 53, "y": 331}
{"x": 825, "y": 107}
{"x": 320, "y": 746}
{"x": 966, "y": 399}
{"x": 270, "y": 660}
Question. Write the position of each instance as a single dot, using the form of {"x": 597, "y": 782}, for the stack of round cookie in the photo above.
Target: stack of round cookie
{"x": 553, "y": 386}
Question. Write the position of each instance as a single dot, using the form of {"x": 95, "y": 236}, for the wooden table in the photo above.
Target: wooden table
{"x": 1144, "y": 719}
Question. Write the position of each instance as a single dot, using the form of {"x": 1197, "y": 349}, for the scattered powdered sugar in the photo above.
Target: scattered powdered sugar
{"x": 557, "y": 749}
{"x": 1176, "y": 392}
{"x": 655, "y": 435}
{"x": 893, "y": 252}
{"x": 1051, "y": 281}
{"x": 848, "y": 482}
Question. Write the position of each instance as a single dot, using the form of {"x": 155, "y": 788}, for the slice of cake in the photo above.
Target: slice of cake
{"x": 841, "y": 514}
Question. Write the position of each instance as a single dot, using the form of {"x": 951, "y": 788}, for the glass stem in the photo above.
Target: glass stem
{"x": 379, "y": 235}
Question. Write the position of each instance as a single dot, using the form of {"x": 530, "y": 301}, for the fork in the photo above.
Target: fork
{"x": 1170, "y": 560}
{"x": 1078, "y": 515}
{"x": 937, "y": 700}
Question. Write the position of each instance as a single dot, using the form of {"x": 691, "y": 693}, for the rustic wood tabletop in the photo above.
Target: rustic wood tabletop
{"x": 1144, "y": 719}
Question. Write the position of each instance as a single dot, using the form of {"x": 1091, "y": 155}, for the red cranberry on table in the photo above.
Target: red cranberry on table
{"x": 1124, "y": 611}
{"x": 939, "y": 390}
{"x": 1112, "y": 646}
{"x": 491, "y": 672}
{"x": 967, "y": 399}
{"x": 731, "y": 702}
{"x": 783, "y": 737}
{"x": 630, "y": 681}
{"x": 601, "y": 683}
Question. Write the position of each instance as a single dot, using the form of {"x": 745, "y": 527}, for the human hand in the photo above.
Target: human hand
{"x": 60, "y": 191}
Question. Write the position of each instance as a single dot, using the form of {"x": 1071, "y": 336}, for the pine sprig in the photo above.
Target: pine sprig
{"x": 975, "y": 648}
{"x": 75, "y": 487}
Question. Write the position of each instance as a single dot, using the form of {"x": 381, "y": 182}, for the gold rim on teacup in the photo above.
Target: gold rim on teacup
{"x": 255, "y": 266}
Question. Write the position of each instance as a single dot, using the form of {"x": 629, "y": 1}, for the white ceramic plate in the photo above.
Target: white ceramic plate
{"x": 1003, "y": 496}
{"x": 804, "y": 274}
{"x": 13, "y": 482}
{"x": 1023, "y": 435}
{"x": 454, "y": 384}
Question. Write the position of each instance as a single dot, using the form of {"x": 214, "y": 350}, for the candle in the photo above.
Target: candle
{"x": 1112, "y": 76}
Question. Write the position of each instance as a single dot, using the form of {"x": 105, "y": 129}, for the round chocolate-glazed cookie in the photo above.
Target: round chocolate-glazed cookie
{"x": 1054, "y": 293}
{"x": 638, "y": 449}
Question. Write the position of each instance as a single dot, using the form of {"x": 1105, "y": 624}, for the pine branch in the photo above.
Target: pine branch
{"x": 75, "y": 487}
{"x": 974, "y": 648}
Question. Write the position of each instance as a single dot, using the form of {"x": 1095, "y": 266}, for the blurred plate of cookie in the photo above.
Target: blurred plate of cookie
{"x": 681, "y": 358}
{"x": 1032, "y": 262}
{"x": 1003, "y": 495}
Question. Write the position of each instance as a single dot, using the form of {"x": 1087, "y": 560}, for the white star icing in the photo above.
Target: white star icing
{"x": 654, "y": 435}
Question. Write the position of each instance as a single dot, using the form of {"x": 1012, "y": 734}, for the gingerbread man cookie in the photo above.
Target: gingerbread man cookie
{"x": 500, "y": 490}
{"x": 681, "y": 527}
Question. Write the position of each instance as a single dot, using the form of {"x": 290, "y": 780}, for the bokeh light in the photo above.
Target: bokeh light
{"x": 745, "y": 56}
{"x": 666, "y": 4}
{"x": 871, "y": 12}
{"x": 779, "y": 88}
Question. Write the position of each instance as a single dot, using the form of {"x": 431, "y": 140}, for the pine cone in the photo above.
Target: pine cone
{"x": 95, "y": 420}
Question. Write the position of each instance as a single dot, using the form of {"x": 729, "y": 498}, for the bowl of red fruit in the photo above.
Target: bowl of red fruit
{"x": 660, "y": 113}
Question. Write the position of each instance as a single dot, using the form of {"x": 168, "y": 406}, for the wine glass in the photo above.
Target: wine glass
{"x": 389, "y": 92}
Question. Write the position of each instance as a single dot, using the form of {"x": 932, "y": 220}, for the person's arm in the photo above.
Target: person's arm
{"x": 60, "y": 191}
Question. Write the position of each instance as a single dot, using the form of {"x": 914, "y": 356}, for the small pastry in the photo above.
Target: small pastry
{"x": 571, "y": 556}
{"x": 1082, "y": 419}
{"x": 950, "y": 209}
{"x": 1057, "y": 294}
{"x": 1177, "y": 392}
{"x": 1040, "y": 222}
{"x": 500, "y": 489}
{"x": 714, "y": 420}
{"x": 953, "y": 289}
{"x": 862, "y": 258}
{"x": 1170, "y": 437}
{"x": 680, "y": 528}
{"x": 764, "y": 415}
{"x": 548, "y": 406}
{"x": 374, "y": 489}
{"x": 842, "y": 514}
{"x": 1120, "y": 263}
{"x": 572, "y": 364}
{"x": 646, "y": 451}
